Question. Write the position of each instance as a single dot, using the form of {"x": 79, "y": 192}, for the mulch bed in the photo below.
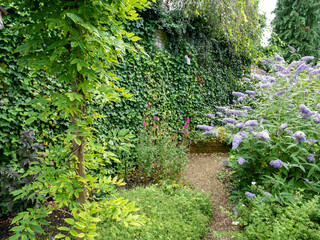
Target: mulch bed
{"x": 56, "y": 219}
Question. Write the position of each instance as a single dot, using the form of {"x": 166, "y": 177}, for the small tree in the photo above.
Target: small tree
{"x": 77, "y": 42}
{"x": 297, "y": 23}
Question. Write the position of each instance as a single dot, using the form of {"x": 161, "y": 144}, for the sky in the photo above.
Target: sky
{"x": 267, "y": 6}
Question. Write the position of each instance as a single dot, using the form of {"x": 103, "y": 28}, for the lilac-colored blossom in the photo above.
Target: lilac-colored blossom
{"x": 276, "y": 163}
{"x": 289, "y": 131}
{"x": 307, "y": 180}
{"x": 307, "y": 58}
{"x": 258, "y": 77}
{"x": 238, "y": 94}
{"x": 281, "y": 93}
{"x": 280, "y": 68}
{"x": 299, "y": 136}
{"x": 240, "y": 125}
{"x": 243, "y": 133}
{"x": 311, "y": 157}
{"x": 267, "y": 61}
{"x": 264, "y": 135}
{"x": 262, "y": 71}
{"x": 219, "y": 113}
{"x": 290, "y": 66}
{"x": 283, "y": 126}
{"x": 241, "y": 161}
{"x": 247, "y": 107}
{"x": 246, "y": 79}
{"x": 272, "y": 80}
{"x": 237, "y": 139}
{"x": 301, "y": 68}
{"x": 251, "y": 123}
{"x": 249, "y": 194}
{"x": 210, "y": 115}
{"x": 264, "y": 85}
{"x": 236, "y": 112}
{"x": 300, "y": 63}
{"x": 229, "y": 120}
{"x": 204, "y": 127}
{"x": 279, "y": 58}
{"x": 267, "y": 194}
{"x": 317, "y": 119}
{"x": 240, "y": 99}
{"x": 318, "y": 105}
{"x": 292, "y": 49}
{"x": 315, "y": 72}
{"x": 290, "y": 106}
{"x": 221, "y": 108}
{"x": 306, "y": 112}
{"x": 251, "y": 92}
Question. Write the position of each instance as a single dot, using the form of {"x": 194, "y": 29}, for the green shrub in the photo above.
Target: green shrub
{"x": 266, "y": 219}
{"x": 182, "y": 215}
{"x": 159, "y": 156}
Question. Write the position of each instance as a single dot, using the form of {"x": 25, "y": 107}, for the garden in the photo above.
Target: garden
{"x": 136, "y": 119}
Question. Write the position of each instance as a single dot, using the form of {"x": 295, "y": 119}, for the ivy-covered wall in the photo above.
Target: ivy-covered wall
{"x": 163, "y": 79}
{"x": 160, "y": 78}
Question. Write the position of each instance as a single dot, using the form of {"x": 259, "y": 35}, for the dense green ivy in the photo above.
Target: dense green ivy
{"x": 17, "y": 87}
{"x": 164, "y": 80}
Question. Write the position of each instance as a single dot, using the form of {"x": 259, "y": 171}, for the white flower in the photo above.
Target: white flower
{"x": 253, "y": 183}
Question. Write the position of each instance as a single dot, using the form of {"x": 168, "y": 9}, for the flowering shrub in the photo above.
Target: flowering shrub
{"x": 274, "y": 130}
{"x": 158, "y": 154}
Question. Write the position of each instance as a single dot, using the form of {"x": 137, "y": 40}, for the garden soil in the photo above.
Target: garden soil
{"x": 202, "y": 173}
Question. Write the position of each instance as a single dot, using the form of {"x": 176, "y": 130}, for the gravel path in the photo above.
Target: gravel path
{"x": 202, "y": 172}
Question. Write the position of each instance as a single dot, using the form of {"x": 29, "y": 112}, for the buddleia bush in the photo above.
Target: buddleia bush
{"x": 274, "y": 130}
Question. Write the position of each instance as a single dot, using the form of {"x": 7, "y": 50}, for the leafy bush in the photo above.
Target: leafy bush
{"x": 184, "y": 214}
{"x": 11, "y": 176}
{"x": 274, "y": 131}
{"x": 264, "y": 218}
{"x": 159, "y": 156}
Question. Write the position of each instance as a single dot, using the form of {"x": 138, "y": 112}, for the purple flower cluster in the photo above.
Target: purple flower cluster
{"x": 280, "y": 68}
{"x": 315, "y": 72}
{"x": 249, "y": 194}
{"x": 251, "y": 92}
{"x": 237, "y": 139}
{"x": 279, "y": 58}
{"x": 235, "y": 112}
{"x": 307, "y": 58}
{"x": 240, "y": 125}
{"x": 241, "y": 161}
{"x": 306, "y": 112}
{"x": 292, "y": 49}
{"x": 280, "y": 93}
{"x": 267, "y": 194}
{"x": 311, "y": 157}
{"x": 267, "y": 61}
{"x": 204, "y": 127}
{"x": 299, "y": 136}
{"x": 276, "y": 163}
{"x": 230, "y": 120}
{"x": 264, "y": 135}
{"x": 283, "y": 126}
{"x": 210, "y": 115}
{"x": 221, "y": 108}
{"x": 251, "y": 123}
{"x": 238, "y": 94}
{"x": 290, "y": 106}
{"x": 247, "y": 107}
